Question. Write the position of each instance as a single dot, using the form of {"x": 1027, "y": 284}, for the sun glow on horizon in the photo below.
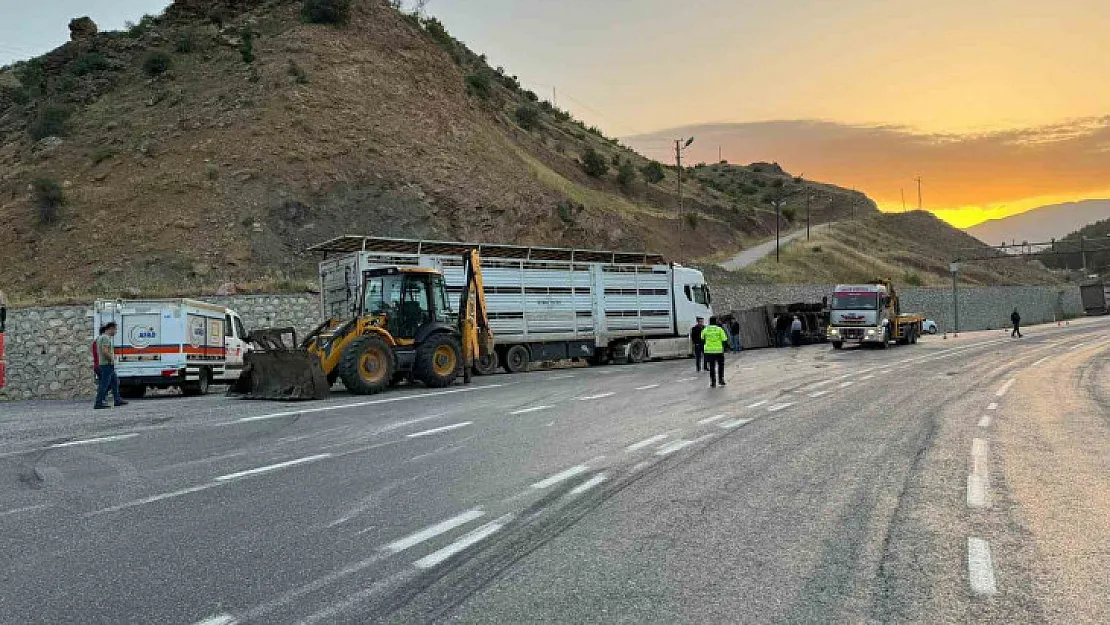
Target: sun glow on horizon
{"x": 967, "y": 216}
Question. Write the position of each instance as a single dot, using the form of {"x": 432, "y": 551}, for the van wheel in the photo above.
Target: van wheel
{"x": 487, "y": 363}
{"x": 438, "y": 361}
{"x": 200, "y": 387}
{"x": 637, "y": 351}
{"x": 367, "y": 365}
{"x": 516, "y": 359}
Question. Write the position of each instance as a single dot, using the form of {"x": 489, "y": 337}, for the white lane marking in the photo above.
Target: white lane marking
{"x": 985, "y": 422}
{"x": 219, "y": 619}
{"x": 778, "y": 407}
{"x": 821, "y": 383}
{"x": 819, "y": 394}
{"x": 272, "y": 467}
{"x": 532, "y": 409}
{"x": 388, "y": 400}
{"x": 992, "y": 406}
{"x": 646, "y": 442}
{"x": 439, "y": 430}
{"x": 757, "y": 404}
{"x": 93, "y": 441}
{"x": 867, "y": 377}
{"x": 1078, "y": 345}
{"x": 563, "y": 376}
{"x": 708, "y": 420}
{"x": 672, "y": 447}
{"x": 432, "y": 531}
{"x": 588, "y": 484}
{"x": 978, "y": 491}
{"x": 154, "y": 498}
{"x": 470, "y": 539}
{"x": 592, "y": 397}
{"x": 980, "y": 567}
{"x": 645, "y": 388}
{"x": 1005, "y": 387}
{"x": 735, "y": 423}
{"x": 559, "y": 477}
{"x": 680, "y": 381}
{"x": 846, "y": 384}
{"x": 23, "y": 510}
{"x": 979, "y": 455}
{"x": 1040, "y": 361}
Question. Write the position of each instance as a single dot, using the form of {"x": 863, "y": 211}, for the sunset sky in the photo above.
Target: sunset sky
{"x": 1000, "y": 105}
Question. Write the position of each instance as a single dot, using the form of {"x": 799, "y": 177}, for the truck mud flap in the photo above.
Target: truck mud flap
{"x": 287, "y": 375}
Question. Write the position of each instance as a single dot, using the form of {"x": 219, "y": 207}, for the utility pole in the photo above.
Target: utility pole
{"x": 955, "y": 267}
{"x": 809, "y": 198}
{"x": 919, "y": 205}
{"x": 1083, "y": 253}
{"x": 778, "y": 220}
{"x": 903, "y": 199}
{"x": 554, "y": 98}
{"x": 679, "y": 146}
{"x": 720, "y": 156}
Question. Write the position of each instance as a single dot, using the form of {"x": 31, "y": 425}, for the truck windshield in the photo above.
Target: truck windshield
{"x": 383, "y": 294}
{"x": 854, "y": 301}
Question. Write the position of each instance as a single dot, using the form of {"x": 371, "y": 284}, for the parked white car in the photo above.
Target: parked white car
{"x": 929, "y": 326}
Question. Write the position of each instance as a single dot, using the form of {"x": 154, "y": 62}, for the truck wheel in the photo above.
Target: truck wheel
{"x": 438, "y": 361}
{"x": 599, "y": 358}
{"x": 367, "y": 365}
{"x": 516, "y": 359}
{"x": 933, "y": 330}
{"x": 200, "y": 387}
{"x": 886, "y": 340}
{"x": 838, "y": 344}
{"x": 133, "y": 392}
{"x": 637, "y": 351}
{"x": 486, "y": 364}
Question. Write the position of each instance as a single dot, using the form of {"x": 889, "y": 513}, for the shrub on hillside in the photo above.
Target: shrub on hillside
{"x": 188, "y": 41}
{"x": 15, "y": 95}
{"x": 531, "y": 95}
{"x": 297, "y": 72}
{"x": 49, "y": 198}
{"x": 157, "y": 63}
{"x": 246, "y": 44}
{"x": 50, "y": 122}
{"x": 776, "y": 183}
{"x": 912, "y": 279}
{"x": 145, "y": 25}
{"x": 691, "y": 220}
{"x": 653, "y": 172}
{"x": 594, "y": 164}
{"x": 336, "y": 12}
{"x": 89, "y": 63}
{"x": 789, "y": 213}
{"x": 478, "y": 84}
{"x": 626, "y": 175}
{"x": 528, "y": 116}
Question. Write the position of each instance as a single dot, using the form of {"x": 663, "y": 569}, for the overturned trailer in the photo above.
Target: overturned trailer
{"x": 769, "y": 326}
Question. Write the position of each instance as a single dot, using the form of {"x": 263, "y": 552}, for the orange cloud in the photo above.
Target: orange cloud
{"x": 967, "y": 178}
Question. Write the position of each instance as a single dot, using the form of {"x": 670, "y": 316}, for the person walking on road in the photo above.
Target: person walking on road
{"x": 1016, "y": 319}
{"x": 106, "y": 365}
{"x": 734, "y": 339}
{"x": 696, "y": 340}
{"x": 714, "y": 338}
{"x": 796, "y": 332}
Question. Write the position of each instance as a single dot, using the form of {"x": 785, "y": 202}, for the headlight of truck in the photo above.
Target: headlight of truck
{"x": 870, "y": 331}
{"x": 834, "y": 331}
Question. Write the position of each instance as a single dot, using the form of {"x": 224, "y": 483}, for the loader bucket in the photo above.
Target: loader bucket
{"x": 274, "y": 371}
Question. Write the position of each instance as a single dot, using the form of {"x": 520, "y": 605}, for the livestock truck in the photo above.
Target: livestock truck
{"x": 1095, "y": 297}
{"x": 870, "y": 314}
{"x": 167, "y": 343}
{"x": 543, "y": 304}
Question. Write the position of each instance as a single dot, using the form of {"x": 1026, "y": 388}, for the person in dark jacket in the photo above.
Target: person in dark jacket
{"x": 734, "y": 334}
{"x": 1015, "y": 318}
{"x": 695, "y": 340}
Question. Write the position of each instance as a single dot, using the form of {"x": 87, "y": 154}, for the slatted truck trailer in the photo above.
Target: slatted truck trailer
{"x": 173, "y": 343}
{"x": 544, "y": 304}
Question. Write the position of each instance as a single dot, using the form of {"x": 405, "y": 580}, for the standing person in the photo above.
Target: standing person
{"x": 796, "y": 332}
{"x": 695, "y": 339}
{"x": 734, "y": 327}
{"x": 106, "y": 362}
{"x": 713, "y": 337}
{"x": 1016, "y": 319}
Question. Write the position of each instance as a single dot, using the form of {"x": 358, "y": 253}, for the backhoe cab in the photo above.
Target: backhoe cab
{"x": 403, "y": 329}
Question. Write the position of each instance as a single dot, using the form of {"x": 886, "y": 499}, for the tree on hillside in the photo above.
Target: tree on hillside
{"x": 594, "y": 164}
{"x": 653, "y": 172}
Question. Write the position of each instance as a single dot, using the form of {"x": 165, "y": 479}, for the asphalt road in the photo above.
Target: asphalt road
{"x": 818, "y": 486}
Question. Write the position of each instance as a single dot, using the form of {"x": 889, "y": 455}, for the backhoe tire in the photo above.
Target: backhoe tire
{"x": 516, "y": 359}
{"x": 367, "y": 365}
{"x": 487, "y": 364}
{"x": 838, "y": 344}
{"x": 438, "y": 361}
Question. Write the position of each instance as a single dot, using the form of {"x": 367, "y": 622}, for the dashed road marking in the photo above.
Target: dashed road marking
{"x": 734, "y": 423}
{"x": 461, "y": 544}
{"x": 978, "y": 491}
{"x": 1005, "y": 387}
{"x": 682, "y": 380}
{"x": 592, "y": 397}
{"x": 24, "y": 510}
{"x": 646, "y": 442}
{"x": 867, "y": 377}
{"x": 846, "y": 384}
{"x": 819, "y": 394}
{"x": 992, "y": 406}
{"x": 985, "y": 421}
{"x": 388, "y": 400}
{"x": 1078, "y": 345}
{"x": 778, "y": 407}
{"x": 532, "y": 409}
{"x": 672, "y": 447}
{"x": 155, "y": 498}
{"x": 708, "y": 420}
{"x": 1040, "y": 361}
{"x": 645, "y": 388}
{"x": 588, "y": 484}
{"x": 439, "y": 430}
{"x": 93, "y": 441}
{"x": 757, "y": 404}
{"x": 219, "y": 619}
{"x": 432, "y": 531}
{"x": 980, "y": 567}
{"x": 272, "y": 467}
{"x": 559, "y": 477}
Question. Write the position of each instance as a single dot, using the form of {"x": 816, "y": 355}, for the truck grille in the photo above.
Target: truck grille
{"x": 851, "y": 333}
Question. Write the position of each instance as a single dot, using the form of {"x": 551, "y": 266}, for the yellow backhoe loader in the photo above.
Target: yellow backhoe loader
{"x": 404, "y": 329}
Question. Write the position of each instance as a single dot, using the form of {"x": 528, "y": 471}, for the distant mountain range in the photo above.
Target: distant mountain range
{"x": 1042, "y": 224}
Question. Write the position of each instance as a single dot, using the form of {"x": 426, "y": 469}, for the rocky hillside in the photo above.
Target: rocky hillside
{"x": 214, "y": 142}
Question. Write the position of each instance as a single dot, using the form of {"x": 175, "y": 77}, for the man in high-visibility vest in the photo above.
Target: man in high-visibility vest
{"x": 714, "y": 337}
